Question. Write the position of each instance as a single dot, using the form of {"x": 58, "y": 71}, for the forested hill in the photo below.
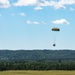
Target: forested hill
{"x": 37, "y": 55}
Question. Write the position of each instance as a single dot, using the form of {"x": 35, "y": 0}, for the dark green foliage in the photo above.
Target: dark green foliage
{"x": 37, "y": 65}
{"x": 37, "y": 60}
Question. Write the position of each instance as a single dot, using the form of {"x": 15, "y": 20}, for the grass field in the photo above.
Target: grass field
{"x": 23, "y": 72}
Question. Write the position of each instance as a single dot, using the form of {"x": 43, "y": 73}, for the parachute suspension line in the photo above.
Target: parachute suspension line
{"x": 55, "y": 37}
{"x": 54, "y": 41}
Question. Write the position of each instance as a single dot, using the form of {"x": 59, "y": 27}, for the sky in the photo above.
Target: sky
{"x": 27, "y": 24}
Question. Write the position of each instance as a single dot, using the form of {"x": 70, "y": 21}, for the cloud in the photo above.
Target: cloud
{"x": 0, "y": 14}
{"x": 38, "y": 8}
{"x": 72, "y": 9}
{"x": 35, "y": 22}
{"x": 39, "y": 4}
{"x": 43, "y": 3}
{"x": 62, "y": 3}
{"x": 4, "y": 4}
{"x": 29, "y": 22}
{"x": 67, "y": 2}
{"x": 61, "y": 21}
{"x": 32, "y": 22}
{"x": 22, "y": 14}
{"x": 25, "y": 2}
{"x": 57, "y": 5}
{"x": 43, "y": 23}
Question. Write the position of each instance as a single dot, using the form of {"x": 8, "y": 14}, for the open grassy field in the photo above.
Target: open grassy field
{"x": 24, "y": 72}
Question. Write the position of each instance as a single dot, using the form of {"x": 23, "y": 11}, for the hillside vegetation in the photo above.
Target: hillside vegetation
{"x": 37, "y": 60}
{"x": 37, "y": 55}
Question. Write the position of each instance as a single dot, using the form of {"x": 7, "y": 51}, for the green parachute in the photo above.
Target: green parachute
{"x": 55, "y": 31}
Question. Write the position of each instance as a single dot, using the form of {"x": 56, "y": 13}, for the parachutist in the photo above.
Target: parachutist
{"x": 54, "y": 44}
{"x": 55, "y": 29}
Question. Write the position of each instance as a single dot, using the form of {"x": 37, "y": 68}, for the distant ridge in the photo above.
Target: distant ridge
{"x": 37, "y": 55}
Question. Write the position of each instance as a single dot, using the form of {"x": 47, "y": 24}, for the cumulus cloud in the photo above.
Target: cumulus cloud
{"x": 66, "y": 2}
{"x": 39, "y": 4}
{"x": 32, "y": 22}
{"x": 62, "y": 3}
{"x": 4, "y": 3}
{"x": 61, "y": 21}
{"x": 42, "y": 3}
{"x": 57, "y": 5}
{"x": 25, "y": 2}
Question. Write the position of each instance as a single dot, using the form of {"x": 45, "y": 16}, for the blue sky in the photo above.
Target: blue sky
{"x": 27, "y": 24}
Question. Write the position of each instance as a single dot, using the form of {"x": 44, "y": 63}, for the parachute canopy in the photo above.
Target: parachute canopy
{"x": 55, "y": 29}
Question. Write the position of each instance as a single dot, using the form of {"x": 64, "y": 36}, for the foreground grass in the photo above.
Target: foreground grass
{"x": 24, "y": 72}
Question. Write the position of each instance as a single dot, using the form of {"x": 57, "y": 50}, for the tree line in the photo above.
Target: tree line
{"x": 37, "y": 65}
